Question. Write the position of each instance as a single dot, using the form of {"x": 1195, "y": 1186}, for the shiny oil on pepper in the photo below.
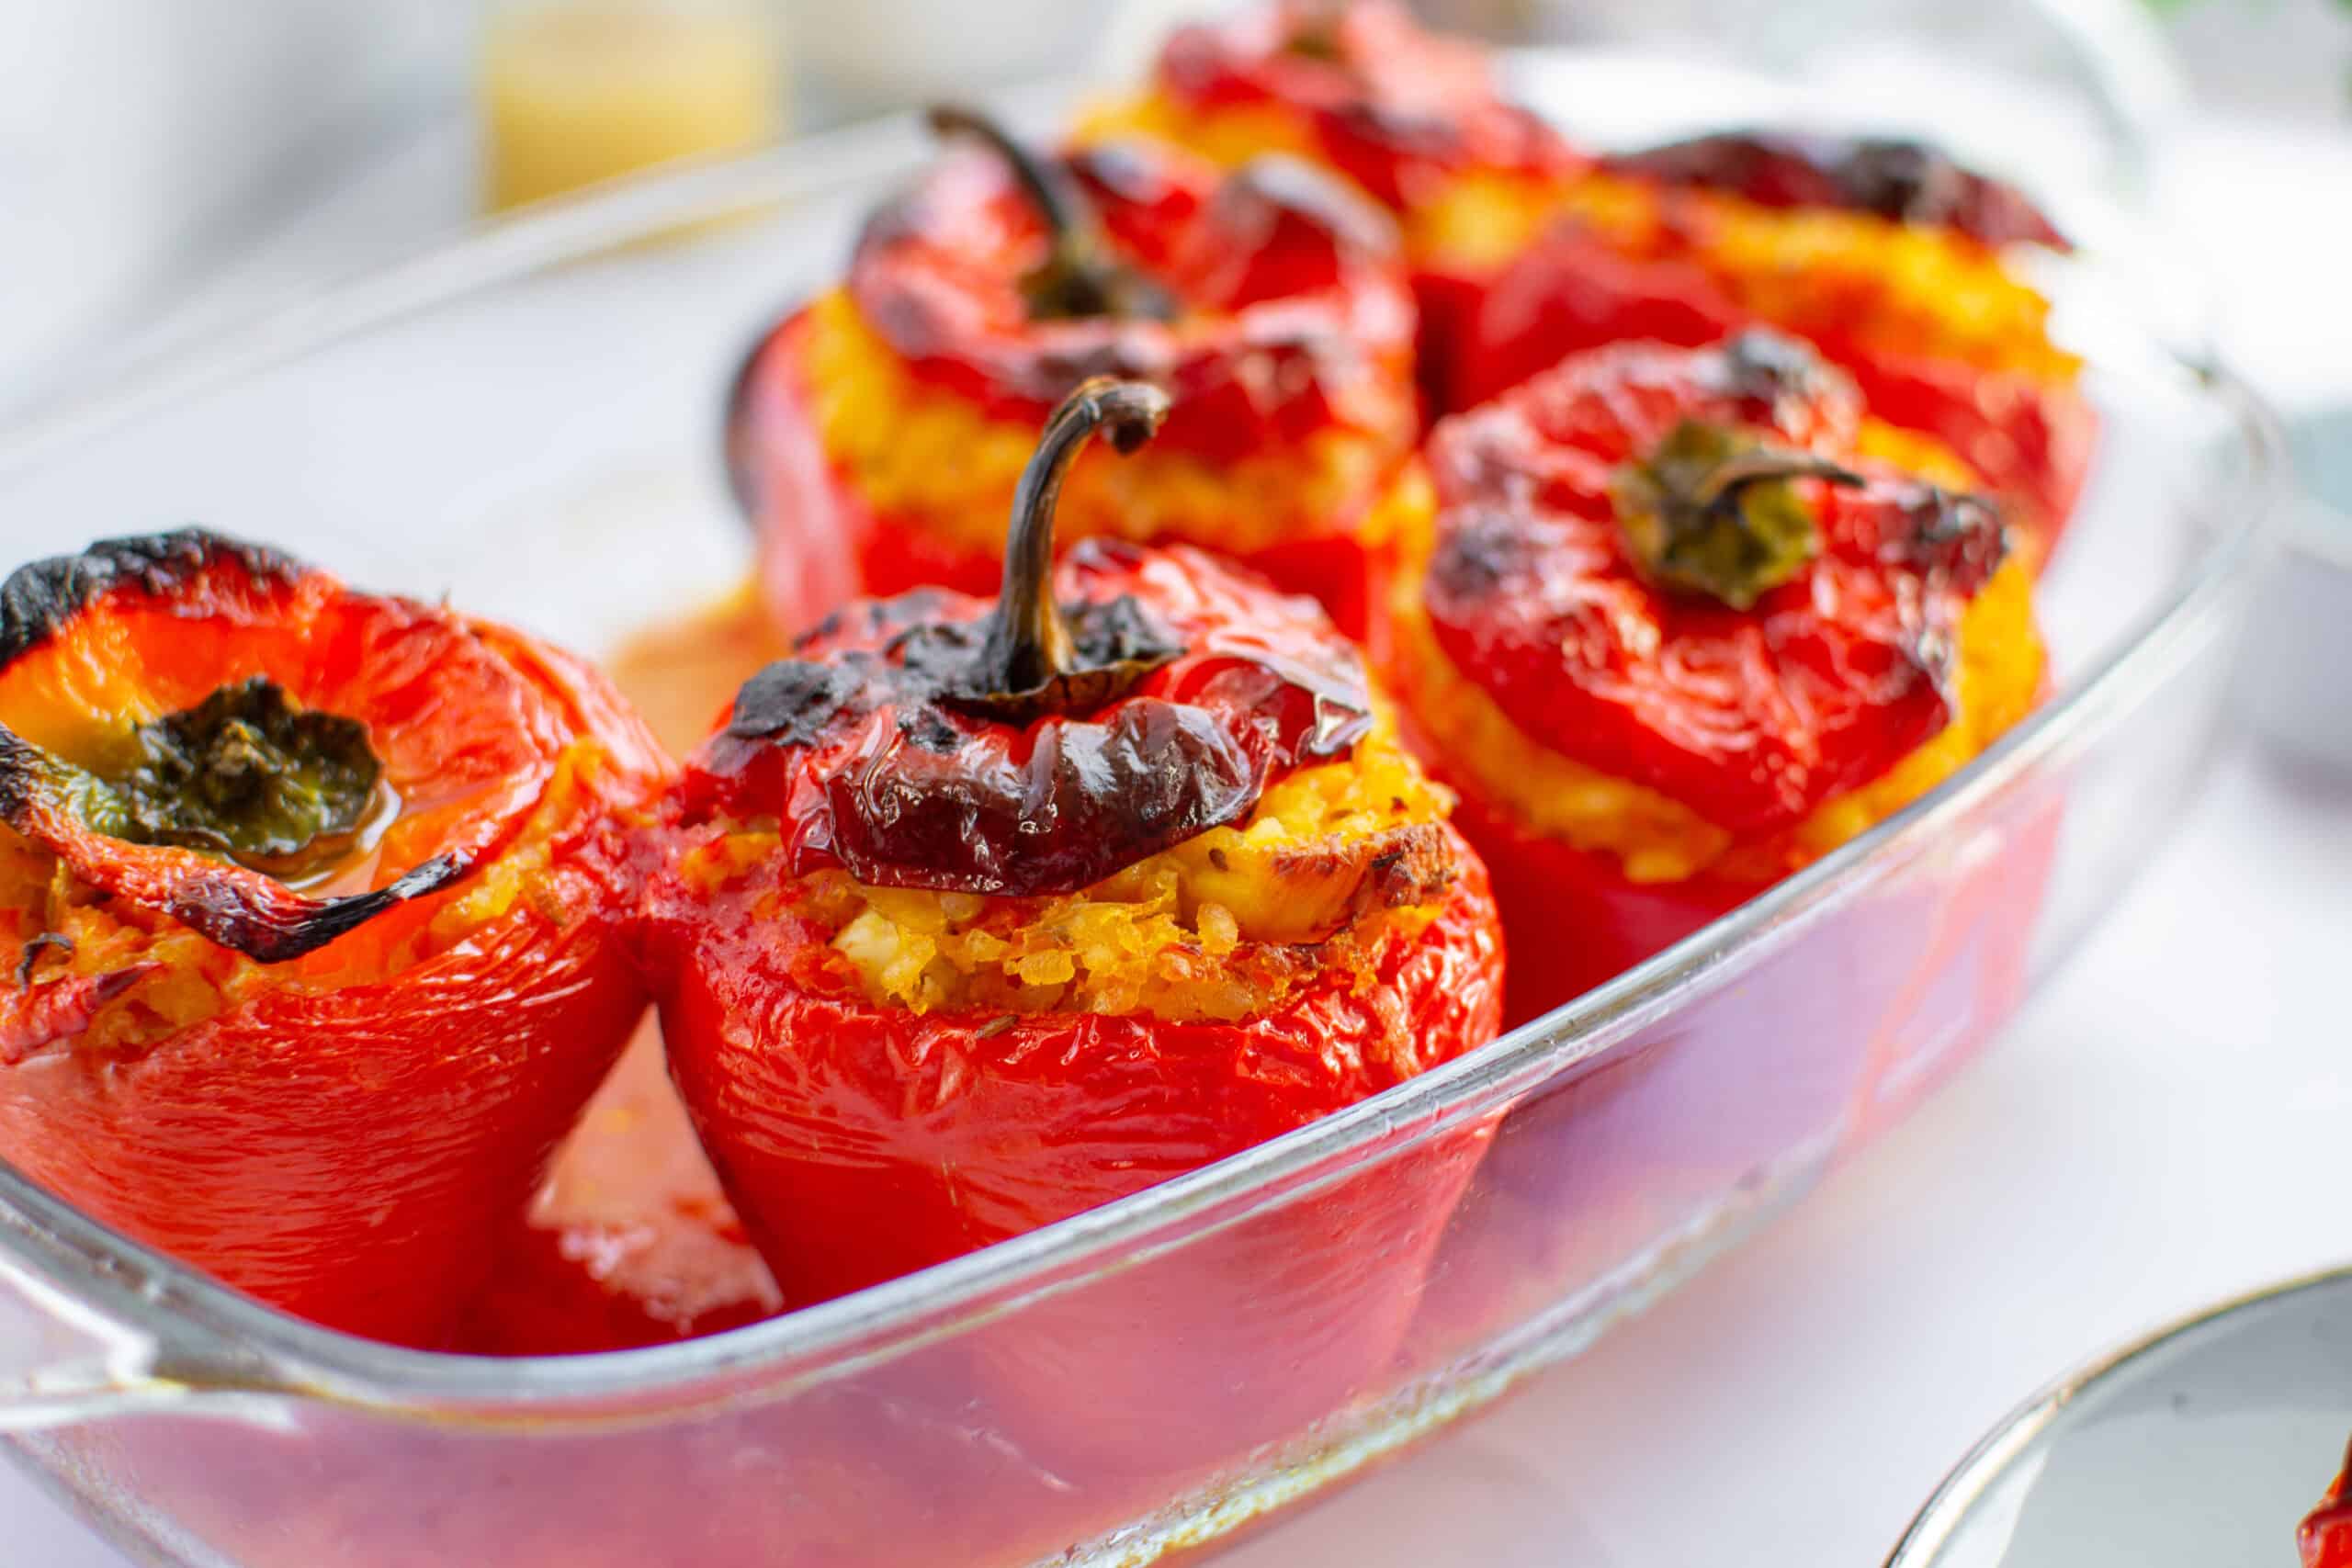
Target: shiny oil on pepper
{"x": 1896, "y": 263}
{"x": 313, "y": 901}
{"x": 879, "y": 433}
{"x": 1687, "y": 621}
{"x": 1413, "y": 119}
{"x": 978, "y": 915}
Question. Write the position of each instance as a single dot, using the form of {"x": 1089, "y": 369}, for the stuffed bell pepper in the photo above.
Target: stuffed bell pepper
{"x": 879, "y": 433}
{"x": 313, "y": 899}
{"x": 977, "y": 915}
{"x": 1690, "y": 619}
{"x": 1414, "y": 119}
{"x": 1899, "y": 265}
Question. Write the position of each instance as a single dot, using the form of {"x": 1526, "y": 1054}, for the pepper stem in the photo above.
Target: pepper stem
{"x": 1057, "y": 201}
{"x": 1028, "y": 646}
{"x": 1079, "y": 277}
{"x": 1722, "y": 487}
{"x": 1712, "y": 512}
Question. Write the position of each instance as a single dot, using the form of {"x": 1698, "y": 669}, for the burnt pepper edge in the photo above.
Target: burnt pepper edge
{"x": 39, "y": 597}
{"x": 1891, "y": 177}
{"x": 37, "y": 601}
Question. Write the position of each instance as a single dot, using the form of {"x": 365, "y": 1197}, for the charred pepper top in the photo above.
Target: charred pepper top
{"x": 1087, "y": 719}
{"x": 1673, "y": 567}
{"x": 1260, "y": 301}
{"x": 1890, "y": 178}
{"x": 1886, "y": 254}
{"x": 211, "y": 730}
{"x": 1395, "y": 108}
{"x": 241, "y": 1029}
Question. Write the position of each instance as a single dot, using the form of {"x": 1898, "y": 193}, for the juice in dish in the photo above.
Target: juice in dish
{"x": 631, "y": 1240}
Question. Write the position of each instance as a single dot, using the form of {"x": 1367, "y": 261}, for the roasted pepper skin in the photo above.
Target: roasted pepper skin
{"x": 1582, "y": 284}
{"x": 823, "y": 544}
{"x": 1296, "y": 327}
{"x": 918, "y": 1138}
{"x": 1577, "y": 907}
{"x": 1743, "y": 723}
{"x": 863, "y": 1143}
{"x": 863, "y": 1139}
{"x": 1853, "y": 1013}
{"x": 1408, "y": 115}
{"x": 2325, "y": 1539}
{"x": 343, "y": 1133}
{"x": 1396, "y": 108}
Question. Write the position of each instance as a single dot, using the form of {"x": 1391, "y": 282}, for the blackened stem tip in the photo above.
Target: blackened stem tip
{"x": 1028, "y": 643}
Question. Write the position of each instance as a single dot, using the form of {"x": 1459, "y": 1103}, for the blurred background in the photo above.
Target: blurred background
{"x": 167, "y": 168}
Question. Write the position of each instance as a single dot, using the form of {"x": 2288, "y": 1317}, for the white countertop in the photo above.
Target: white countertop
{"x": 2164, "y": 1126}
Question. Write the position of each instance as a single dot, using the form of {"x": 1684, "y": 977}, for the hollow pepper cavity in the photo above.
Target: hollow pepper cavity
{"x": 312, "y": 901}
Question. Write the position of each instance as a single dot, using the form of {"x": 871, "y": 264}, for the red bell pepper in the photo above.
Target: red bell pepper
{"x": 1678, "y": 633}
{"x": 880, "y": 432}
{"x": 978, "y": 916}
{"x": 2325, "y": 1538}
{"x": 317, "y": 898}
{"x": 1885, "y": 254}
{"x": 1413, "y": 119}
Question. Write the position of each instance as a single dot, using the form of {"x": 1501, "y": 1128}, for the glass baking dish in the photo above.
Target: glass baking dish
{"x": 526, "y": 422}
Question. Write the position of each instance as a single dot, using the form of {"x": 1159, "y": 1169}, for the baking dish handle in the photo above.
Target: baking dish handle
{"x": 62, "y": 1362}
{"x": 93, "y": 1328}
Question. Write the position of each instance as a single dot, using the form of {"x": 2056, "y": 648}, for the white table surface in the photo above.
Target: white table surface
{"x": 2164, "y": 1126}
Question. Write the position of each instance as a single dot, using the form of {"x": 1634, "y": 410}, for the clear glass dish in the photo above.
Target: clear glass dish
{"x": 527, "y": 423}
